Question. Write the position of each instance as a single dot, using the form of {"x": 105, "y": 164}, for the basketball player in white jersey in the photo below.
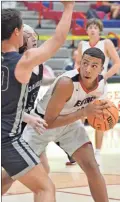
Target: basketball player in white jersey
{"x": 67, "y": 101}
{"x": 94, "y": 27}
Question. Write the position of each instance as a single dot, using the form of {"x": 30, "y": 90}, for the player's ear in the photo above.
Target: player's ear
{"x": 16, "y": 31}
{"x": 102, "y": 68}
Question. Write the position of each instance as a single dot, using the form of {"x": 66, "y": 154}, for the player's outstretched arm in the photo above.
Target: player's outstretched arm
{"x": 112, "y": 53}
{"x": 36, "y": 56}
{"x": 79, "y": 51}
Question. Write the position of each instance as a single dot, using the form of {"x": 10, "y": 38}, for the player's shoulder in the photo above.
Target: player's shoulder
{"x": 63, "y": 86}
{"x": 107, "y": 41}
{"x": 11, "y": 55}
{"x": 67, "y": 79}
{"x": 82, "y": 43}
{"x": 72, "y": 74}
{"x": 11, "y": 59}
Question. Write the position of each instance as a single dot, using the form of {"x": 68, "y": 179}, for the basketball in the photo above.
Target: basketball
{"x": 107, "y": 122}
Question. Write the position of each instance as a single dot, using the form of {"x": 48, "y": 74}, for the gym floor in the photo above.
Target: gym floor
{"x": 71, "y": 183}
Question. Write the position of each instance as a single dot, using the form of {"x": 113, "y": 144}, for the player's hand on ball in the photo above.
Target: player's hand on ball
{"x": 107, "y": 104}
{"x": 107, "y": 119}
{"x": 96, "y": 110}
{"x": 38, "y": 124}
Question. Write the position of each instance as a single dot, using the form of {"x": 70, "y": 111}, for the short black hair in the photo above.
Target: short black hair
{"x": 10, "y": 19}
{"x": 95, "y": 52}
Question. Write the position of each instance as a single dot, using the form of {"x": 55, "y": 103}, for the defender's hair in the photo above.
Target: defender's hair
{"x": 95, "y": 21}
{"x": 10, "y": 19}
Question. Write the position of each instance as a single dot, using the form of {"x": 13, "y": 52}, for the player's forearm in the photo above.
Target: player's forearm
{"x": 65, "y": 23}
{"x": 106, "y": 3}
{"x": 35, "y": 56}
{"x": 113, "y": 70}
{"x": 63, "y": 120}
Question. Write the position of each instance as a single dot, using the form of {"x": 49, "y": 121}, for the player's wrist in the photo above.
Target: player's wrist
{"x": 30, "y": 120}
{"x": 82, "y": 113}
{"x": 69, "y": 5}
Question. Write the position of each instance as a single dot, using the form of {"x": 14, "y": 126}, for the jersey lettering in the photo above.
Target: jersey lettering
{"x": 85, "y": 101}
{"x": 5, "y": 78}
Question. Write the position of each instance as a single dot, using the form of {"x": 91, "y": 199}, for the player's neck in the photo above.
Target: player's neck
{"x": 7, "y": 46}
{"x": 89, "y": 86}
{"x": 93, "y": 41}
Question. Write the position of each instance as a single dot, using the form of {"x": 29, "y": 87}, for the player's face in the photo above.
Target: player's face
{"x": 90, "y": 68}
{"x": 30, "y": 39}
{"x": 93, "y": 30}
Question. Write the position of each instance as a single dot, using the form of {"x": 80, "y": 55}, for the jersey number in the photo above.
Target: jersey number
{"x": 5, "y": 78}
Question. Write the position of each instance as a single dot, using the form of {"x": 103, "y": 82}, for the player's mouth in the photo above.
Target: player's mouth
{"x": 87, "y": 77}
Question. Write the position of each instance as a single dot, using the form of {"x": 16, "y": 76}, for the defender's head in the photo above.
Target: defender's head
{"x": 12, "y": 26}
{"x": 29, "y": 39}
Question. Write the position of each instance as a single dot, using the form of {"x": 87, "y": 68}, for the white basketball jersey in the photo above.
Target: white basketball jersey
{"x": 80, "y": 97}
{"x": 101, "y": 46}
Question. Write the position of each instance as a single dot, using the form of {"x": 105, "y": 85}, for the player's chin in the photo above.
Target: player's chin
{"x": 88, "y": 79}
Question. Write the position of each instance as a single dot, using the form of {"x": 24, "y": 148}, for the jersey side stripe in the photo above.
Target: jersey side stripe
{"x": 18, "y": 111}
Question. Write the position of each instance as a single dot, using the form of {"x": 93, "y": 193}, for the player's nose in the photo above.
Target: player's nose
{"x": 88, "y": 69}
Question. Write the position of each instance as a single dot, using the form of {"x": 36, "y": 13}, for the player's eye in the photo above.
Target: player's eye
{"x": 94, "y": 66}
{"x": 85, "y": 64}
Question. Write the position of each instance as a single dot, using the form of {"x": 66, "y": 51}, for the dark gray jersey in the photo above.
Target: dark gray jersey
{"x": 13, "y": 97}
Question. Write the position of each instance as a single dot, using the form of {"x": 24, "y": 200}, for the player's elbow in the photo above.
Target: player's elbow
{"x": 117, "y": 64}
{"x": 49, "y": 121}
{"x": 20, "y": 76}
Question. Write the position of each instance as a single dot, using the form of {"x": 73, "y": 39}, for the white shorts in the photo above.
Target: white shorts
{"x": 71, "y": 137}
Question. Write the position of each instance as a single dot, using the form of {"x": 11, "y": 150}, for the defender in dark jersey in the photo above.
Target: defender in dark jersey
{"x": 37, "y": 79}
{"x": 17, "y": 157}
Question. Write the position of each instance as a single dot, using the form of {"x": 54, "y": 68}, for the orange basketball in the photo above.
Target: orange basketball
{"x": 107, "y": 122}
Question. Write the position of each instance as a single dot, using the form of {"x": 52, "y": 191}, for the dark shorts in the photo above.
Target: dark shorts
{"x": 17, "y": 157}
{"x": 105, "y": 9}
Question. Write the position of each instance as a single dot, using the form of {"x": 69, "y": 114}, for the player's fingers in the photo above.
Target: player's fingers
{"x": 39, "y": 125}
{"x": 98, "y": 112}
{"x": 98, "y": 116}
{"x": 101, "y": 112}
{"x": 103, "y": 102}
{"x": 43, "y": 122}
{"x": 105, "y": 106}
{"x": 40, "y": 130}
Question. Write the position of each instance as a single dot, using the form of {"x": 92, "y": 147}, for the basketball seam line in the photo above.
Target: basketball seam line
{"x": 94, "y": 122}
{"x": 112, "y": 115}
{"x": 104, "y": 122}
